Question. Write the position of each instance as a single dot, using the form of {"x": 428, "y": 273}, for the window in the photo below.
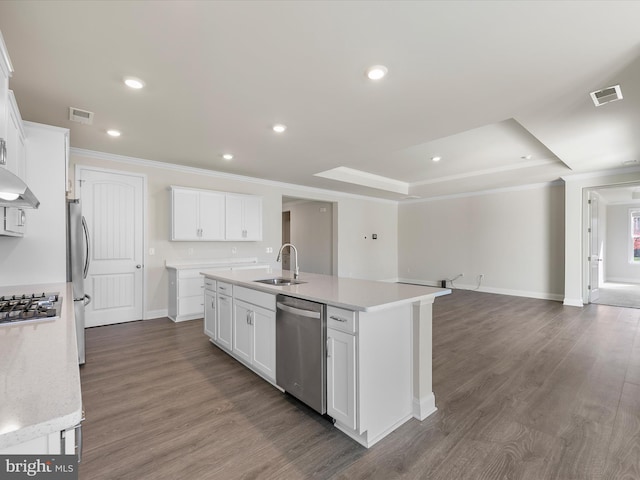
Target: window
{"x": 634, "y": 215}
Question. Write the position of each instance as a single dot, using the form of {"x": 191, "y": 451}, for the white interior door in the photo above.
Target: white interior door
{"x": 595, "y": 258}
{"x": 112, "y": 204}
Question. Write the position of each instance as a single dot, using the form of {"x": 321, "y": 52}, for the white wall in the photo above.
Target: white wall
{"x": 514, "y": 237}
{"x": 40, "y": 256}
{"x": 618, "y": 268}
{"x": 355, "y": 215}
{"x": 311, "y": 229}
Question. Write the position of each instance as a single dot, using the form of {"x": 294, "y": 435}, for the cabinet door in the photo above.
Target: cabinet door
{"x": 341, "y": 378}
{"x": 4, "y": 92}
{"x": 264, "y": 342}
{"x": 224, "y": 324}
{"x": 15, "y": 139}
{"x": 210, "y": 314}
{"x": 184, "y": 214}
{"x": 212, "y": 216}
{"x": 233, "y": 217}
{"x": 252, "y": 216}
{"x": 243, "y": 316}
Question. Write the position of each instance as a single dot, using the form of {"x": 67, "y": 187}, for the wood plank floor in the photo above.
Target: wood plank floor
{"x": 526, "y": 389}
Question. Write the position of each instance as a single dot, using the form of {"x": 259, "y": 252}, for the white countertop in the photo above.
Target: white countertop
{"x": 215, "y": 263}
{"x": 39, "y": 373}
{"x": 350, "y": 293}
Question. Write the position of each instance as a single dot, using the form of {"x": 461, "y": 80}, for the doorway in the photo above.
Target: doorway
{"x": 616, "y": 277}
{"x": 310, "y": 225}
{"x": 113, "y": 206}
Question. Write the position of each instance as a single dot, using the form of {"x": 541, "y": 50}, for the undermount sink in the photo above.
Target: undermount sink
{"x": 279, "y": 281}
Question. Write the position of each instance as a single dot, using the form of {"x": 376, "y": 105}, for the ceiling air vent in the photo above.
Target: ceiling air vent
{"x": 606, "y": 95}
{"x": 80, "y": 116}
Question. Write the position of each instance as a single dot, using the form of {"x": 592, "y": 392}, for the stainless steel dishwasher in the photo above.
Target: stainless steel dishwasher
{"x": 300, "y": 350}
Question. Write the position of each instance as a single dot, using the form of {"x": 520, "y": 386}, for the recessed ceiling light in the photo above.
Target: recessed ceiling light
{"x": 526, "y": 157}
{"x": 436, "y": 159}
{"x": 227, "y": 156}
{"x": 113, "y": 133}
{"x": 279, "y": 128}
{"x": 376, "y": 72}
{"x": 133, "y": 82}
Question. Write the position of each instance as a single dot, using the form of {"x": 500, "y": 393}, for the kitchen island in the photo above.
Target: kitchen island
{"x": 39, "y": 379}
{"x": 379, "y": 365}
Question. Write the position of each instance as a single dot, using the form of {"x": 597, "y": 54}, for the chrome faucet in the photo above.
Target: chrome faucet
{"x": 295, "y": 257}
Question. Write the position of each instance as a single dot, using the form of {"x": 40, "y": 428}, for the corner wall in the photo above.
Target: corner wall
{"x": 514, "y": 237}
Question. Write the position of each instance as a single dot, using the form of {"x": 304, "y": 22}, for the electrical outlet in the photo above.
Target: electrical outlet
{"x": 152, "y": 251}
{"x": 269, "y": 250}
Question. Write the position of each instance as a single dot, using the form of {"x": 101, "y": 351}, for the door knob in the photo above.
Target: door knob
{"x": 138, "y": 266}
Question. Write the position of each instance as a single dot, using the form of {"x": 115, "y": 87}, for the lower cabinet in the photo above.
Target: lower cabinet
{"x": 341, "y": 377}
{"x": 66, "y": 442}
{"x": 224, "y": 322}
{"x": 210, "y": 308}
{"x": 254, "y": 337}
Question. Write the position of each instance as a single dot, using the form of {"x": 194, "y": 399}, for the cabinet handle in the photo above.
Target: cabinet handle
{"x": 338, "y": 319}
{"x": 3, "y": 152}
{"x": 21, "y": 218}
{"x": 328, "y": 348}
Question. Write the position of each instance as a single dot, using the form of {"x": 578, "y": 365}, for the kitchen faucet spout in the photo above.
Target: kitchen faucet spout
{"x": 295, "y": 257}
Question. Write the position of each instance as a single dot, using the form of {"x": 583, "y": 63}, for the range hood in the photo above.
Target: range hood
{"x": 14, "y": 192}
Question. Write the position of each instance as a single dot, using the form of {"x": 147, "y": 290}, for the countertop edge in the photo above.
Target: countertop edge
{"x": 285, "y": 290}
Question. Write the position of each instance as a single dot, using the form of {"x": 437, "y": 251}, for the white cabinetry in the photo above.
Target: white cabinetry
{"x": 52, "y": 444}
{"x": 206, "y": 215}
{"x": 14, "y": 219}
{"x": 341, "y": 366}
{"x": 224, "y": 316}
{"x": 243, "y": 214}
{"x": 254, "y": 334}
{"x": 197, "y": 215}
{"x": 185, "y": 294}
{"x": 5, "y": 73}
{"x": 210, "y": 307}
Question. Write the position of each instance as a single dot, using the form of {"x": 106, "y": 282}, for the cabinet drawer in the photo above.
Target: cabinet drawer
{"x": 191, "y": 305}
{"x": 224, "y": 288}
{"x": 341, "y": 319}
{"x": 190, "y": 286}
{"x": 261, "y": 299}
{"x": 209, "y": 284}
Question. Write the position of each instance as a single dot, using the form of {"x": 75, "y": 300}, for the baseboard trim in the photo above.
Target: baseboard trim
{"x": 151, "y": 314}
{"x": 499, "y": 291}
{"x": 635, "y": 281}
{"x": 573, "y": 302}
{"x": 425, "y": 406}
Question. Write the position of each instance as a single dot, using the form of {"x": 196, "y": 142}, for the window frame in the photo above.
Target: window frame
{"x": 633, "y": 213}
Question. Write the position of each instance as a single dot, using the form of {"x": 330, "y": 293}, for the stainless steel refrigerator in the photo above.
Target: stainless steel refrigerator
{"x": 78, "y": 258}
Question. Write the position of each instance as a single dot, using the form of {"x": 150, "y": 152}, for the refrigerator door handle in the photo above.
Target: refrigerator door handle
{"x": 85, "y": 229}
{"x": 87, "y": 300}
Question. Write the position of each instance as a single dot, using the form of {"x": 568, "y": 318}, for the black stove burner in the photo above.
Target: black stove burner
{"x": 21, "y": 308}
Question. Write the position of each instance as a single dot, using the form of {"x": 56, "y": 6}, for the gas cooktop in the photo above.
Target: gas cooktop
{"x": 33, "y": 307}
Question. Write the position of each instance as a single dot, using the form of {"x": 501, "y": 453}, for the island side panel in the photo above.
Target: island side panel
{"x": 424, "y": 400}
{"x": 385, "y": 371}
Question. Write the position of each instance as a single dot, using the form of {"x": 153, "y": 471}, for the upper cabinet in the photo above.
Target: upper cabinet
{"x": 205, "y": 215}
{"x": 5, "y": 73}
{"x": 196, "y": 215}
{"x": 243, "y": 217}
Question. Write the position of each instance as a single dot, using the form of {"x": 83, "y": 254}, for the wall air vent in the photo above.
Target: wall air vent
{"x": 606, "y": 95}
{"x": 80, "y": 116}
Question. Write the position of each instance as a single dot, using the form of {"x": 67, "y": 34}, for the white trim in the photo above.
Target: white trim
{"x": 216, "y": 174}
{"x": 152, "y": 314}
{"x": 517, "y": 188}
{"x": 366, "y": 179}
{"x": 635, "y": 281}
{"x": 600, "y": 173}
{"x": 145, "y": 223}
{"x": 488, "y": 171}
{"x": 573, "y": 302}
{"x": 6, "y": 61}
{"x": 499, "y": 291}
{"x": 425, "y": 406}
{"x": 45, "y": 127}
